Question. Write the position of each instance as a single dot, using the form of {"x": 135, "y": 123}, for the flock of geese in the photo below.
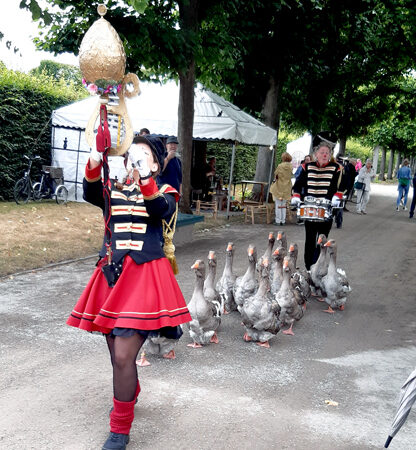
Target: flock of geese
{"x": 270, "y": 295}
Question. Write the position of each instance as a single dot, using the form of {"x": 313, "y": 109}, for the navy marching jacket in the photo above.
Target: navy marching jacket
{"x": 320, "y": 182}
{"x": 136, "y": 216}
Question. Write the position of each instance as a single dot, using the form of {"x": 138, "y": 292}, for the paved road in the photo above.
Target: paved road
{"x": 56, "y": 381}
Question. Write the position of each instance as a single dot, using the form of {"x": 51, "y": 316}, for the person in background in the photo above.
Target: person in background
{"x": 281, "y": 189}
{"x": 358, "y": 165}
{"x": 307, "y": 160}
{"x": 365, "y": 175}
{"x": 350, "y": 175}
{"x": 172, "y": 167}
{"x": 144, "y": 132}
{"x": 210, "y": 172}
{"x": 412, "y": 206}
{"x": 321, "y": 178}
{"x": 403, "y": 176}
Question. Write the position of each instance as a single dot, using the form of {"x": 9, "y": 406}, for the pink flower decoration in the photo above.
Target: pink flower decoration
{"x": 92, "y": 88}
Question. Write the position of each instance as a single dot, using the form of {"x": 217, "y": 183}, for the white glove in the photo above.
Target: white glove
{"x": 294, "y": 201}
{"x": 139, "y": 161}
{"x": 96, "y": 156}
{"x": 335, "y": 202}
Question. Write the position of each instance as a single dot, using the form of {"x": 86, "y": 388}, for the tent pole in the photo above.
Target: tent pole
{"x": 270, "y": 176}
{"x": 231, "y": 181}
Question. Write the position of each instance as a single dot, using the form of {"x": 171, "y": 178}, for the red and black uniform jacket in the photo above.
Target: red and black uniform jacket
{"x": 136, "y": 216}
{"x": 320, "y": 181}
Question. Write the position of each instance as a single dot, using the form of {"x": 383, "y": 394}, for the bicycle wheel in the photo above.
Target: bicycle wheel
{"x": 61, "y": 194}
{"x": 37, "y": 192}
{"x": 21, "y": 191}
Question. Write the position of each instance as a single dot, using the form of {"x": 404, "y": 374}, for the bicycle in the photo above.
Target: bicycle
{"x": 24, "y": 189}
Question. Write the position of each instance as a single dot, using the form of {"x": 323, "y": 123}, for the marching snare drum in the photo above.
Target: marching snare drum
{"x": 315, "y": 209}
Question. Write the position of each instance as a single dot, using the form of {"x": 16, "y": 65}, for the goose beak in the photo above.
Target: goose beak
{"x": 276, "y": 252}
{"x": 211, "y": 254}
{"x": 292, "y": 248}
{"x": 229, "y": 247}
{"x": 250, "y": 251}
{"x": 265, "y": 262}
{"x": 319, "y": 240}
{"x": 279, "y": 235}
{"x": 196, "y": 265}
{"x": 285, "y": 263}
{"x": 328, "y": 244}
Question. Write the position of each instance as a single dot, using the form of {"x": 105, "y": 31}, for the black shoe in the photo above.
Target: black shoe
{"x": 116, "y": 441}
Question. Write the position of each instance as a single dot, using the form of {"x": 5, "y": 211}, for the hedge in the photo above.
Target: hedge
{"x": 26, "y": 105}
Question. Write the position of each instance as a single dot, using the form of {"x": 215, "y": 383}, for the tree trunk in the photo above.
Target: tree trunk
{"x": 271, "y": 117}
{"x": 390, "y": 169}
{"x": 188, "y": 20}
{"x": 382, "y": 164}
{"x": 342, "y": 145}
{"x": 185, "y": 128}
{"x": 398, "y": 162}
{"x": 376, "y": 151}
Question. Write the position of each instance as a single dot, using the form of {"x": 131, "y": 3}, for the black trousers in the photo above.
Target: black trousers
{"x": 412, "y": 207}
{"x": 313, "y": 230}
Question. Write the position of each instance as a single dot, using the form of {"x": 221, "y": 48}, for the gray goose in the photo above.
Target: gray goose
{"x": 320, "y": 268}
{"x": 210, "y": 292}
{"x": 205, "y": 318}
{"x": 300, "y": 278}
{"x": 290, "y": 310}
{"x": 335, "y": 282}
{"x": 246, "y": 285}
{"x": 259, "y": 314}
{"x": 226, "y": 283}
{"x": 277, "y": 268}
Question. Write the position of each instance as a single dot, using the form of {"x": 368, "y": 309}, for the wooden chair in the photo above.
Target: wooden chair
{"x": 207, "y": 205}
{"x": 265, "y": 210}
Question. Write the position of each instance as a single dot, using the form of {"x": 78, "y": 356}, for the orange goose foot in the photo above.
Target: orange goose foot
{"x": 263, "y": 344}
{"x": 143, "y": 362}
{"x": 170, "y": 355}
{"x": 289, "y": 331}
{"x": 329, "y": 310}
{"x": 246, "y": 337}
{"x": 214, "y": 339}
{"x": 194, "y": 345}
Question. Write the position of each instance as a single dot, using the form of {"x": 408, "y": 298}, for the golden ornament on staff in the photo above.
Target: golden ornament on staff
{"x": 102, "y": 62}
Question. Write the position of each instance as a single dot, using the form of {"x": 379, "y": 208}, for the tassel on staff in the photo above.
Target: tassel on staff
{"x": 168, "y": 247}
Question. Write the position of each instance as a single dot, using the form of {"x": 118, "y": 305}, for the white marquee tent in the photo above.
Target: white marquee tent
{"x": 156, "y": 108}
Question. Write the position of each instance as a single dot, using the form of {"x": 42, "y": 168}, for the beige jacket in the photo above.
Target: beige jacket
{"x": 282, "y": 188}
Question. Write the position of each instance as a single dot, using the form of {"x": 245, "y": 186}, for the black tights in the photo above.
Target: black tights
{"x": 123, "y": 353}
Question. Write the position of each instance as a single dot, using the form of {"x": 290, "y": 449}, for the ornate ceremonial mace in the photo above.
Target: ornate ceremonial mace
{"x": 102, "y": 62}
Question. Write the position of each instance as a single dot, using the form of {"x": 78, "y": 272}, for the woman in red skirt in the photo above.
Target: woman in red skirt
{"x": 137, "y": 293}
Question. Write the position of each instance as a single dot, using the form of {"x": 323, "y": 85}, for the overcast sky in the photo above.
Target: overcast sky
{"x": 17, "y": 26}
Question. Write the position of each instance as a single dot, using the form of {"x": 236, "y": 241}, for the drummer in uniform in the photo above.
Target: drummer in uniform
{"x": 321, "y": 178}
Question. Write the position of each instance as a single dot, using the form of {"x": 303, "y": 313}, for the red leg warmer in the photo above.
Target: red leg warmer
{"x": 122, "y": 416}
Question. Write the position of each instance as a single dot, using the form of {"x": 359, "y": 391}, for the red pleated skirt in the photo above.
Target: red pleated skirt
{"x": 145, "y": 297}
